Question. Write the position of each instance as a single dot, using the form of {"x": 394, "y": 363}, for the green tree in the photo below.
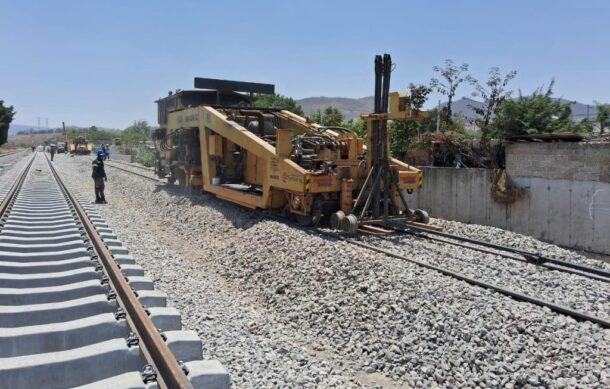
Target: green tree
{"x": 138, "y": 132}
{"x": 402, "y": 132}
{"x": 603, "y": 116}
{"x": 356, "y": 126}
{"x": 7, "y": 112}
{"x": 452, "y": 76}
{"x": 585, "y": 126}
{"x": 494, "y": 93}
{"x": 535, "y": 114}
{"x": 278, "y": 101}
{"x": 330, "y": 116}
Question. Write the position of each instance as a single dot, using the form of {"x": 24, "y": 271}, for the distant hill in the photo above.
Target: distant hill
{"x": 352, "y": 108}
{"x": 15, "y": 128}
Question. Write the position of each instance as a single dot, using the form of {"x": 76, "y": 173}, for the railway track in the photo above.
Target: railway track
{"x": 516, "y": 295}
{"x": 75, "y": 309}
{"x": 131, "y": 165}
{"x": 507, "y": 252}
{"x": 11, "y": 153}
{"x": 516, "y": 254}
{"x": 519, "y": 296}
{"x": 112, "y": 165}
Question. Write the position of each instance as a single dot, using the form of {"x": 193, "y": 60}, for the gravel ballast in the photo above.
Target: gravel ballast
{"x": 281, "y": 306}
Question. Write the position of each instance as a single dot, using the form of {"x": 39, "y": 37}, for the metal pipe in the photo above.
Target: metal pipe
{"x": 363, "y": 188}
{"x": 368, "y": 199}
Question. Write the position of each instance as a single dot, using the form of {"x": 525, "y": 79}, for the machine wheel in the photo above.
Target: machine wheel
{"x": 421, "y": 216}
{"x": 314, "y": 217}
{"x": 181, "y": 179}
{"x": 350, "y": 224}
{"x": 336, "y": 219}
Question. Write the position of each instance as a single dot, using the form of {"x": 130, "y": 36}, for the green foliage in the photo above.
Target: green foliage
{"x": 603, "y": 116}
{"x": 278, "y": 101}
{"x": 7, "y": 112}
{"x": 418, "y": 94}
{"x": 452, "y": 76}
{"x": 138, "y": 132}
{"x": 146, "y": 158}
{"x": 330, "y": 116}
{"x": 95, "y": 135}
{"x": 404, "y": 132}
{"x": 535, "y": 114}
{"x": 585, "y": 126}
{"x": 493, "y": 93}
{"x": 355, "y": 125}
{"x": 429, "y": 123}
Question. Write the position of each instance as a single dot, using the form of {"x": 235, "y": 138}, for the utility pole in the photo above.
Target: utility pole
{"x": 47, "y": 123}
{"x": 38, "y": 125}
{"x": 438, "y": 118}
{"x": 63, "y": 125}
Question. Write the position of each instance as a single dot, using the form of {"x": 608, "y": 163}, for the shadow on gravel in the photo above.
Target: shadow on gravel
{"x": 240, "y": 217}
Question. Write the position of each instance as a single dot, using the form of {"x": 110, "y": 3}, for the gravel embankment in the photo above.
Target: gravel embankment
{"x": 11, "y": 165}
{"x": 280, "y": 306}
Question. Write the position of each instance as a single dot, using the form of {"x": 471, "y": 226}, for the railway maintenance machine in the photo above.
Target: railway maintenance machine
{"x": 214, "y": 139}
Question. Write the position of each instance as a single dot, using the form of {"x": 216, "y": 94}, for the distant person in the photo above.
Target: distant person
{"x": 99, "y": 176}
{"x": 33, "y": 148}
{"x": 53, "y": 150}
{"x": 107, "y": 150}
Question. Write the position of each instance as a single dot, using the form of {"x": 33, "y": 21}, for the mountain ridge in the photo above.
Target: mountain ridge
{"x": 352, "y": 108}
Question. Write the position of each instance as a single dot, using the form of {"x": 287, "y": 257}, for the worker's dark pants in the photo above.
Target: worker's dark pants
{"x": 52, "y": 155}
{"x": 99, "y": 190}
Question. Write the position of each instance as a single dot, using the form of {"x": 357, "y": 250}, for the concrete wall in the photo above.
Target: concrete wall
{"x": 568, "y": 161}
{"x": 559, "y": 206}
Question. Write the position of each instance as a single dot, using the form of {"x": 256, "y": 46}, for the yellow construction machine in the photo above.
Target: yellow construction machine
{"x": 80, "y": 146}
{"x": 264, "y": 158}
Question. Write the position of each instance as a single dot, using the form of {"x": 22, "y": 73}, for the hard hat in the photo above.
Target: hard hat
{"x": 100, "y": 153}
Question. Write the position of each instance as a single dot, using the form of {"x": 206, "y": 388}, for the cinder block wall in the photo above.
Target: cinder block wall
{"x": 567, "y": 161}
{"x": 567, "y": 199}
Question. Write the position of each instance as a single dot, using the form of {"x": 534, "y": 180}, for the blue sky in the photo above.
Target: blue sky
{"x": 105, "y": 62}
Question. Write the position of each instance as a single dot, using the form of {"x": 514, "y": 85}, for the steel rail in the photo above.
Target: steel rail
{"x": 11, "y": 153}
{"x": 136, "y": 173}
{"x": 578, "y": 315}
{"x": 131, "y": 165}
{"x": 549, "y": 266}
{"x": 528, "y": 257}
{"x": 170, "y": 374}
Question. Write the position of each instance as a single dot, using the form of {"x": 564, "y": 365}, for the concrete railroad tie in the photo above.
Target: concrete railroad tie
{"x": 58, "y": 322}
